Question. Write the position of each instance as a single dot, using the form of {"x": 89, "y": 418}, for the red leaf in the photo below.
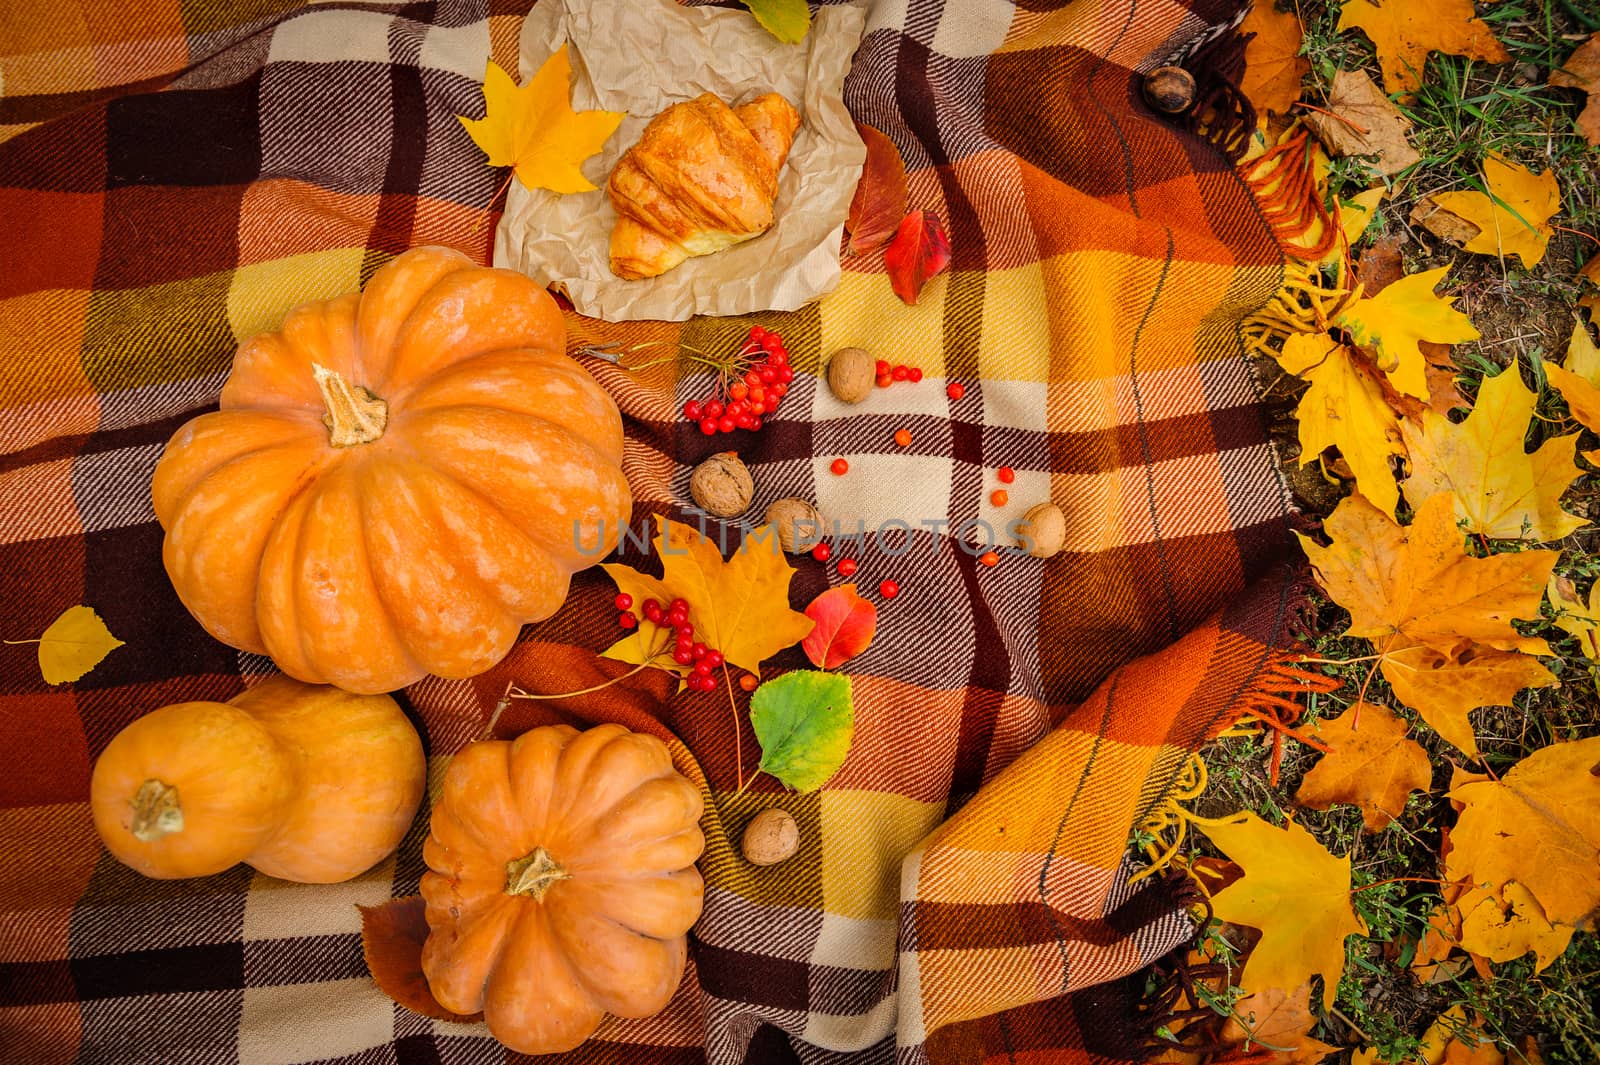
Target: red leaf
{"x": 880, "y": 199}
{"x": 845, "y": 626}
{"x": 920, "y": 249}
{"x": 391, "y": 938}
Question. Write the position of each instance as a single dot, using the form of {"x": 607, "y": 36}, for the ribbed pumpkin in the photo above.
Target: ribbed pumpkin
{"x": 303, "y": 782}
{"x": 396, "y": 481}
{"x": 561, "y": 883}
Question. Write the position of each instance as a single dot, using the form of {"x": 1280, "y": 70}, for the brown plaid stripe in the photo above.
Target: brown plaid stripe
{"x": 176, "y": 179}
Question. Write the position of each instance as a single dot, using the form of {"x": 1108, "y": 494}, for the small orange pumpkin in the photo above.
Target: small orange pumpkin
{"x": 305, "y": 783}
{"x": 396, "y": 481}
{"x": 561, "y": 883}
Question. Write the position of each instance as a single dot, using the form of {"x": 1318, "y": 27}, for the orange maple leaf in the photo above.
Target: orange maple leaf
{"x": 1582, "y": 71}
{"x": 1376, "y": 766}
{"x": 1418, "y": 584}
{"x": 1279, "y": 1021}
{"x": 1273, "y": 65}
{"x": 1445, "y": 688}
{"x": 1405, "y": 31}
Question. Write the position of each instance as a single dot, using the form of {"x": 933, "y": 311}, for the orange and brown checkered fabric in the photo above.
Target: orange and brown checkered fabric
{"x": 175, "y": 176}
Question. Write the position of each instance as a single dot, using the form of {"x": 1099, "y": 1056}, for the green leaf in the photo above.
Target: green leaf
{"x": 804, "y": 722}
{"x": 787, "y": 20}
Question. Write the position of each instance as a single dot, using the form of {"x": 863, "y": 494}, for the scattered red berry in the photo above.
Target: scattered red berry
{"x": 840, "y": 467}
{"x": 989, "y": 558}
{"x": 626, "y": 620}
{"x": 955, "y": 389}
{"x": 999, "y": 497}
{"x": 889, "y": 589}
{"x": 847, "y": 567}
{"x": 691, "y": 410}
{"x": 884, "y": 380}
{"x": 902, "y": 437}
{"x": 822, "y": 552}
{"x": 915, "y": 374}
{"x": 683, "y": 658}
{"x": 708, "y": 426}
{"x": 624, "y": 601}
{"x": 748, "y": 682}
{"x": 881, "y": 368}
{"x": 900, "y": 373}
{"x": 652, "y": 611}
{"x": 1006, "y": 474}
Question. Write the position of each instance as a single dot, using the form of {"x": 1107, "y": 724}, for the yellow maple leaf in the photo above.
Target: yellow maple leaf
{"x": 1354, "y": 216}
{"x": 1445, "y": 688}
{"x": 72, "y": 645}
{"x": 1418, "y": 584}
{"x": 1295, "y": 893}
{"x": 1371, "y": 763}
{"x": 1273, "y": 65}
{"x": 1395, "y": 322}
{"x": 1513, "y": 218}
{"x": 535, "y": 130}
{"x": 1344, "y": 408}
{"x": 1538, "y": 825}
{"x": 739, "y": 606}
{"x": 1575, "y": 617}
{"x": 1405, "y": 31}
{"x": 1499, "y": 489}
{"x": 1578, "y": 380}
{"x": 1506, "y": 924}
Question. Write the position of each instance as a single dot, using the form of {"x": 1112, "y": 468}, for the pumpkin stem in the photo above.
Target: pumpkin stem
{"x": 533, "y": 874}
{"x": 355, "y": 416}
{"x": 156, "y": 812}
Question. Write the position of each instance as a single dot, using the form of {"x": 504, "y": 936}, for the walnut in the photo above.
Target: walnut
{"x": 722, "y": 486}
{"x": 1169, "y": 89}
{"x": 851, "y": 372}
{"x": 771, "y": 837}
{"x": 799, "y": 524}
{"x": 1043, "y": 530}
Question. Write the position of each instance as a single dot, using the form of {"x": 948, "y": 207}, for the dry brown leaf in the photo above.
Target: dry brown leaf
{"x": 392, "y": 936}
{"x": 1582, "y": 71}
{"x": 1381, "y": 264}
{"x": 1364, "y": 122}
{"x": 1278, "y": 1022}
{"x": 1371, "y": 763}
{"x": 1273, "y": 65}
{"x": 1538, "y": 825}
{"x": 1418, "y": 584}
{"x": 1405, "y": 31}
{"x": 1445, "y": 688}
{"x": 1443, "y": 224}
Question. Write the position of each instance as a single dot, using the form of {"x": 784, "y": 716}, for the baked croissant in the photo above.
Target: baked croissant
{"x": 702, "y": 177}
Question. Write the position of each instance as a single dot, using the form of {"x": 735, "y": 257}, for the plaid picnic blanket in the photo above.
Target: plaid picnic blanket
{"x": 174, "y": 177}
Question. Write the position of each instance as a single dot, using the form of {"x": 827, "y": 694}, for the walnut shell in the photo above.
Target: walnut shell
{"x": 799, "y": 524}
{"x": 851, "y": 373}
{"x": 721, "y": 485}
{"x": 1043, "y": 530}
{"x": 771, "y": 837}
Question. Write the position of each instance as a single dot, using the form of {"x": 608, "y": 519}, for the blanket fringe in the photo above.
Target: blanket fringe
{"x": 1284, "y": 180}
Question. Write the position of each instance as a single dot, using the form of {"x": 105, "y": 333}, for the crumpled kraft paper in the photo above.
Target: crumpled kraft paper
{"x": 642, "y": 56}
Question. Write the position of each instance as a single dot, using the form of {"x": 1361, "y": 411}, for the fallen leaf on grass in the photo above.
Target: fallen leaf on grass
{"x": 1454, "y": 1038}
{"x": 1277, "y": 1021}
{"x": 1513, "y": 218}
{"x": 1578, "y": 380}
{"x": 1591, "y": 299}
{"x": 739, "y": 606}
{"x": 920, "y": 250}
{"x": 72, "y": 645}
{"x": 1405, "y": 31}
{"x": 1418, "y": 584}
{"x": 1295, "y": 892}
{"x": 1371, "y": 763}
{"x": 1575, "y": 617}
{"x": 1381, "y": 265}
{"x": 1344, "y": 407}
{"x": 879, "y": 203}
{"x": 1444, "y": 688}
{"x": 804, "y": 721}
{"x": 1538, "y": 826}
{"x": 1507, "y": 924}
{"x": 1273, "y": 65}
{"x": 1582, "y": 71}
{"x": 534, "y": 129}
{"x": 1500, "y": 490}
{"x": 845, "y": 625}
{"x": 1364, "y": 122}
{"x": 1396, "y": 321}
{"x": 392, "y": 936}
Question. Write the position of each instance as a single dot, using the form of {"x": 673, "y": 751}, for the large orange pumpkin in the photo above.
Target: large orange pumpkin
{"x": 304, "y": 782}
{"x": 396, "y": 481}
{"x": 561, "y": 883}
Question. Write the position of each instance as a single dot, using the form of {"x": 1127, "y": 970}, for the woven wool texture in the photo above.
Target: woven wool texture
{"x": 173, "y": 178}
